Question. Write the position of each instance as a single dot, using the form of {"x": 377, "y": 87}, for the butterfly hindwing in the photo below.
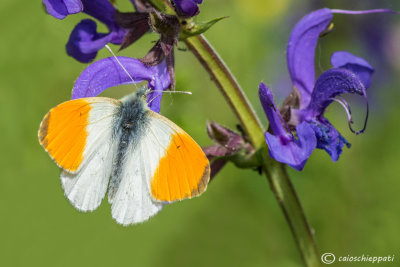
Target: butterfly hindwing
{"x": 86, "y": 188}
{"x": 132, "y": 202}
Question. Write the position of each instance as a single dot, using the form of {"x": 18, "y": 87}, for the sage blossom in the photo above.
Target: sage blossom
{"x": 107, "y": 72}
{"x": 85, "y": 41}
{"x": 303, "y": 110}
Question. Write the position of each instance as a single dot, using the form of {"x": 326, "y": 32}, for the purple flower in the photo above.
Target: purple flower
{"x": 108, "y": 72}
{"x": 85, "y": 41}
{"x": 303, "y": 110}
{"x": 187, "y": 8}
{"x": 283, "y": 145}
{"x": 124, "y": 28}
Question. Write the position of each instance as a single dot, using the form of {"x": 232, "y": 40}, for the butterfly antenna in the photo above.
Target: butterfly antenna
{"x": 122, "y": 66}
{"x": 133, "y": 81}
{"x": 172, "y": 92}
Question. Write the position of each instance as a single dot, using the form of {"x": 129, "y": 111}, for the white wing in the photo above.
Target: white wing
{"x": 132, "y": 202}
{"x": 86, "y": 188}
{"x": 185, "y": 173}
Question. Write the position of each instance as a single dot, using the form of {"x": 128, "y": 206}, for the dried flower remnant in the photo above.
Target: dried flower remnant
{"x": 229, "y": 146}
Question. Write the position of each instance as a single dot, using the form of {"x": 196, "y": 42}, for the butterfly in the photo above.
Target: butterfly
{"x": 140, "y": 157}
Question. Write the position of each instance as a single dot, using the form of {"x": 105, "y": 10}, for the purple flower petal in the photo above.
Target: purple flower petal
{"x": 301, "y": 50}
{"x": 270, "y": 109}
{"x": 328, "y": 138}
{"x": 357, "y": 65}
{"x": 283, "y": 146}
{"x": 291, "y": 151}
{"x": 85, "y": 41}
{"x": 187, "y": 8}
{"x": 102, "y": 10}
{"x": 342, "y": 58}
{"x": 62, "y": 8}
{"x": 107, "y": 73}
{"x": 330, "y": 84}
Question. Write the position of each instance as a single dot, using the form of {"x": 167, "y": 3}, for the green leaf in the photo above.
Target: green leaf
{"x": 190, "y": 28}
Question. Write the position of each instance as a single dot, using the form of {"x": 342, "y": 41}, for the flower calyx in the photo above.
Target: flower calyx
{"x": 229, "y": 146}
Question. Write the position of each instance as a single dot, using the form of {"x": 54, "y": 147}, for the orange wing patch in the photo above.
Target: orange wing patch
{"x": 63, "y": 133}
{"x": 183, "y": 172}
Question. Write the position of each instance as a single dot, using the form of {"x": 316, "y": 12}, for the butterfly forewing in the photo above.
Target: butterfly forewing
{"x": 78, "y": 135}
{"x": 182, "y": 169}
{"x": 70, "y": 132}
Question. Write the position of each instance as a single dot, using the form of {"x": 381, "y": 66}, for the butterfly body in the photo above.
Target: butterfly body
{"x": 131, "y": 122}
{"x": 141, "y": 158}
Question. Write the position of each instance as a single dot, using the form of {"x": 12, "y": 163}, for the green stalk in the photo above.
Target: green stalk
{"x": 276, "y": 173}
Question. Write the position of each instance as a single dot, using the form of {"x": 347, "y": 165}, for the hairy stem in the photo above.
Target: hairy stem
{"x": 276, "y": 173}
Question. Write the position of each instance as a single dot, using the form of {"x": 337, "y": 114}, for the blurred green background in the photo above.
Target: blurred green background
{"x": 352, "y": 205}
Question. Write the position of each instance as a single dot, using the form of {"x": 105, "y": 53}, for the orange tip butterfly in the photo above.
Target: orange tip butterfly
{"x": 143, "y": 159}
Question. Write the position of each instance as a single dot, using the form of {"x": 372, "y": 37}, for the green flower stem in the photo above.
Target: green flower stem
{"x": 276, "y": 173}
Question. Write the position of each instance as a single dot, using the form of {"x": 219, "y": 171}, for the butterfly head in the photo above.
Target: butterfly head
{"x": 143, "y": 92}
{"x": 140, "y": 94}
